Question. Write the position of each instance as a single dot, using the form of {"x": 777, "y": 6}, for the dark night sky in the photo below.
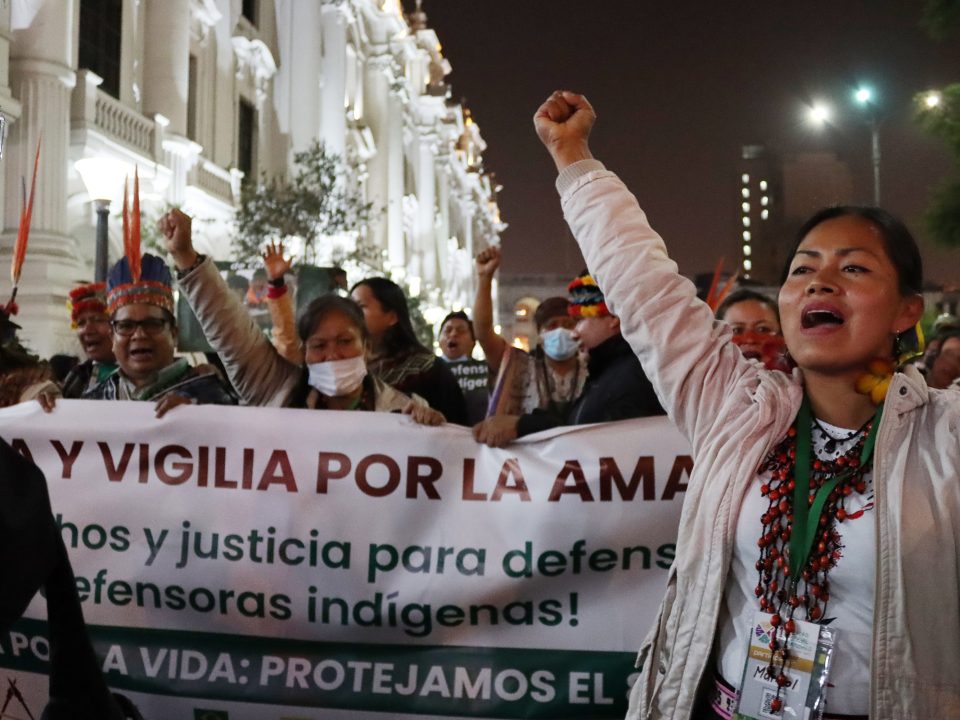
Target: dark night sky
{"x": 679, "y": 87}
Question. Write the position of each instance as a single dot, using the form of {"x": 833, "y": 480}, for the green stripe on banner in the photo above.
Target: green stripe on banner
{"x": 414, "y": 679}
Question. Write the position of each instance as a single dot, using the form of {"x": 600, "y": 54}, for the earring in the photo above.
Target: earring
{"x": 908, "y": 344}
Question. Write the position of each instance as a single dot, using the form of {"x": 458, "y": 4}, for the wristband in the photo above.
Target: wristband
{"x": 196, "y": 263}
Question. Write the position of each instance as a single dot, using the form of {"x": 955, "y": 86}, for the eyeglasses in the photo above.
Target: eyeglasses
{"x": 151, "y": 326}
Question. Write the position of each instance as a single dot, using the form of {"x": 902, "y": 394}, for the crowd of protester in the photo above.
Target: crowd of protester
{"x": 744, "y": 381}
{"x": 362, "y": 352}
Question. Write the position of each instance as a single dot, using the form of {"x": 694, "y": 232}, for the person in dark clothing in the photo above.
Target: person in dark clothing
{"x": 397, "y": 357}
{"x": 23, "y": 376}
{"x": 616, "y": 387}
{"x": 457, "y": 341}
{"x": 33, "y": 555}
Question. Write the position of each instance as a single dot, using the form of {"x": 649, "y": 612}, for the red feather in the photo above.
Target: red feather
{"x": 133, "y": 256}
{"x": 722, "y": 295}
{"x": 712, "y": 292}
{"x": 23, "y": 234}
{"x": 126, "y": 221}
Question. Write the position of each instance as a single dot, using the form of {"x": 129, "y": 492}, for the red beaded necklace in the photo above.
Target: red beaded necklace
{"x": 806, "y": 499}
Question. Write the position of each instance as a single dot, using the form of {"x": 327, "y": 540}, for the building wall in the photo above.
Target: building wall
{"x": 358, "y": 74}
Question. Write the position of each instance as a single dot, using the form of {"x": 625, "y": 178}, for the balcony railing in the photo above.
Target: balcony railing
{"x": 213, "y": 180}
{"x": 94, "y": 110}
{"x": 123, "y": 124}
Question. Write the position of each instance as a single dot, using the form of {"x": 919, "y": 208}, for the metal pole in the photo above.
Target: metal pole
{"x": 875, "y": 133}
{"x": 101, "y": 263}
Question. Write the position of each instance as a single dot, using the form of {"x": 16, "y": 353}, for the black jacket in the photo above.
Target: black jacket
{"x": 32, "y": 554}
{"x": 616, "y": 389}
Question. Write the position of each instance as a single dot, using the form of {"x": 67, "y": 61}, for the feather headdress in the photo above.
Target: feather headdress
{"x": 137, "y": 278}
{"x": 86, "y": 298}
{"x": 586, "y": 298}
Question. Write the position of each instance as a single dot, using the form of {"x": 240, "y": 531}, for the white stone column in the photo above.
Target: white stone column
{"x": 297, "y": 86}
{"x": 42, "y": 78}
{"x": 166, "y": 62}
{"x": 384, "y": 114}
{"x": 444, "y": 257}
{"x": 333, "y": 119}
{"x": 425, "y": 229}
{"x": 9, "y": 105}
{"x": 180, "y": 155}
{"x": 468, "y": 210}
{"x": 396, "y": 243}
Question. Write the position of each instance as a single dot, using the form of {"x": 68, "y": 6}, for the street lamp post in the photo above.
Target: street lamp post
{"x": 102, "y": 260}
{"x": 875, "y": 153}
{"x": 821, "y": 114}
{"x": 101, "y": 177}
{"x": 864, "y": 96}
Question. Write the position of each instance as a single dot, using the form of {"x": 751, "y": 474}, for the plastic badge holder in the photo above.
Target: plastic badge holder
{"x": 811, "y": 650}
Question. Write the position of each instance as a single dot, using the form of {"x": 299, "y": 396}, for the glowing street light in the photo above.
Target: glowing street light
{"x": 820, "y": 114}
{"x": 863, "y": 95}
{"x": 102, "y": 177}
{"x": 932, "y": 100}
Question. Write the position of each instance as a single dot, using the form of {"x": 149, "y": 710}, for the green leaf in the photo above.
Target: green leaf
{"x": 309, "y": 205}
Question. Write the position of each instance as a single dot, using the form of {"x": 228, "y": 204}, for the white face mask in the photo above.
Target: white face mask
{"x": 336, "y": 378}
{"x": 558, "y": 344}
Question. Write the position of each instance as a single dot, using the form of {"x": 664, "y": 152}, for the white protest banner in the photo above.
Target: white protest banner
{"x": 251, "y": 563}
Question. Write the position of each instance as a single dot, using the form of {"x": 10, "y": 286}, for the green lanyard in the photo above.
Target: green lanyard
{"x": 806, "y": 516}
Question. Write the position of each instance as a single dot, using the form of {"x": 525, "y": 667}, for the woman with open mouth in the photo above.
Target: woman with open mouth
{"x": 823, "y": 512}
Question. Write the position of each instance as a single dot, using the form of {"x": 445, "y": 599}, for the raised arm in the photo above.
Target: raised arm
{"x": 256, "y": 370}
{"x": 563, "y": 124}
{"x": 280, "y": 304}
{"x": 689, "y": 358}
{"x": 493, "y": 345}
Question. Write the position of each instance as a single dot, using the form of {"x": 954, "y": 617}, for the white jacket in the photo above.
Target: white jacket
{"x": 733, "y": 412}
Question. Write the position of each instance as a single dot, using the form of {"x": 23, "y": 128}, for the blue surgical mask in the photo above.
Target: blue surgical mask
{"x": 558, "y": 344}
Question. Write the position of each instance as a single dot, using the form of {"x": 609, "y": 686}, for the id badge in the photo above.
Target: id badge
{"x": 810, "y": 650}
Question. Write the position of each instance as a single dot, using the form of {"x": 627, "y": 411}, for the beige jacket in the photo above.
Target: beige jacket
{"x": 733, "y": 411}
{"x": 282, "y": 317}
{"x": 257, "y": 371}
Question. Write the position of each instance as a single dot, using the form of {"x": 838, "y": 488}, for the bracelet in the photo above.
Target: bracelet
{"x": 196, "y": 263}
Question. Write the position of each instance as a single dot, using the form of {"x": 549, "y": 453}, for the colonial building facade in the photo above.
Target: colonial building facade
{"x": 201, "y": 95}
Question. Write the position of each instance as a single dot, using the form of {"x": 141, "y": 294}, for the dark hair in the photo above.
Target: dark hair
{"x": 459, "y": 315}
{"x": 549, "y": 308}
{"x": 61, "y": 365}
{"x": 942, "y": 338}
{"x": 898, "y": 242}
{"x": 744, "y": 295}
{"x": 400, "y": 337}
{"x": 237, "y": 282}
{"x": 314, "y": 313}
